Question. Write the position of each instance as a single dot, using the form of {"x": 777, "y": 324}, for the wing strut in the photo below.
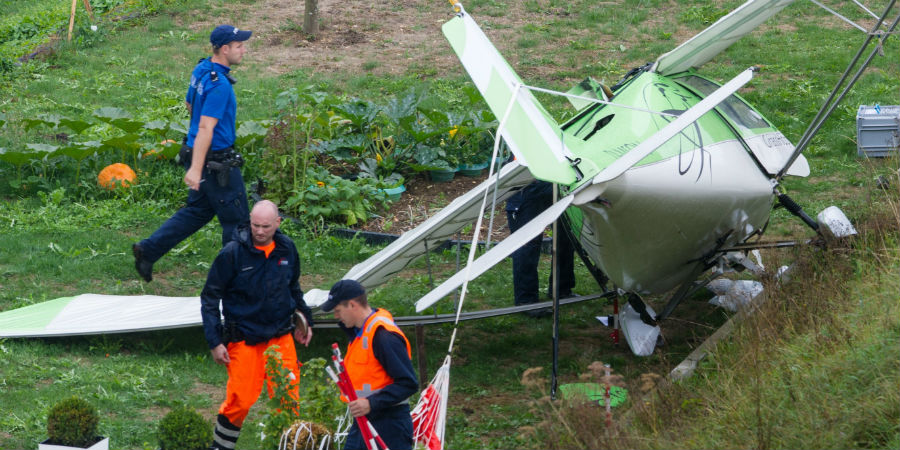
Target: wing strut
{"x": 822, "y": 115}
{"x": 496, "y": 254}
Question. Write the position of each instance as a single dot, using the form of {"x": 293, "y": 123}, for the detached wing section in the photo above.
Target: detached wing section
{"x": 100, "y": 314}
{"x": 531, "y": 133}
{"x": 726, "y": 31}
{"x": 496, "y": 254}
{"x": 432, "y": 233}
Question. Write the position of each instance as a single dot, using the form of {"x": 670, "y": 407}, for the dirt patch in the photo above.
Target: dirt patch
{"x": 424, "y": 198}
{"x": 357, "y": 37}
{"x": 215, "y": 392}
{"x": 353, "y": 35}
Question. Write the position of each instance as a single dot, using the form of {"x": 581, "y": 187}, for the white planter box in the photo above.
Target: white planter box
{"x": 102, "y": 444}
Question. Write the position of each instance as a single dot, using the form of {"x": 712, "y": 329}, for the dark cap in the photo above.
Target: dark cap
{"x": 224, "y": 34}
{"x": 342, "y": 291}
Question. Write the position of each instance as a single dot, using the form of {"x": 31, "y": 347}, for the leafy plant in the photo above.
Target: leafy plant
{"x": 183, "y": 428}
{"x": 73, "y": 422}
{"x": 329, "y": 198}
{"x": 314, "y": 400}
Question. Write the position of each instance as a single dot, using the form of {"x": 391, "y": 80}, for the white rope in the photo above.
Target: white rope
{"x": 292, "y": 436}
{"x": 477, "y": 232}
{"x": 424, "y": 412}
{"x": 428, "y": 413}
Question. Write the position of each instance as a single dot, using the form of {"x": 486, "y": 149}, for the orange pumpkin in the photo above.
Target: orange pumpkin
{"x": 158, "y": 153}
{"x": 153, "y": 152}
{"x": 117, "y": 174}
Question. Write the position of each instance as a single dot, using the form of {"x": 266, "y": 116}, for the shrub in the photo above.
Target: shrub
{"x": 184, "y": 429}
{"x": 73, "y": 422}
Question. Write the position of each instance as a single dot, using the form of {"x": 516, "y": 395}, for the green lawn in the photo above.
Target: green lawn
{"x": 824, "y": 374}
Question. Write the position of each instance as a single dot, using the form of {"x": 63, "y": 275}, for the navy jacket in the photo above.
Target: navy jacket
{"x": 258, "y": 294}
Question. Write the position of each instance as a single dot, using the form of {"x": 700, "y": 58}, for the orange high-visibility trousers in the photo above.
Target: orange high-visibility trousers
{"x": 247, "y": 372}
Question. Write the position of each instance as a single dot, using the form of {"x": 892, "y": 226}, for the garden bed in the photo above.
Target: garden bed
{"x": 424, "y": 198}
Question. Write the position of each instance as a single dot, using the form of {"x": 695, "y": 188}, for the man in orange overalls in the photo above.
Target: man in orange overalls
{"x": 379, "y": 365}
{"x": 256, "y": 277}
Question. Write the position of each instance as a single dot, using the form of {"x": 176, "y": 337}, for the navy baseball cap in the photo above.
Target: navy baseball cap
{"x": 342, "y": 291}
{"x": 224, "y": 34}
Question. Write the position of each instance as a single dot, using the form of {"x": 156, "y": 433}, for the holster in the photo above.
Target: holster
{"x": 221, "y": 170}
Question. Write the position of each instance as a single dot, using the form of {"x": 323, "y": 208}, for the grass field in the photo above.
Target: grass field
{"x": 817, "y": 369}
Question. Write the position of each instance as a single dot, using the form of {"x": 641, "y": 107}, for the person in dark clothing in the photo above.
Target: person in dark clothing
{"x": 381, "y": 373}
{"x": 256, "y": 279}
{"x": 521, "y": 208}
{"x": 216, "y": 187}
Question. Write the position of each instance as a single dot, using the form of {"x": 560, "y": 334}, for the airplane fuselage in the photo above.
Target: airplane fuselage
{"x": 656, "y": 226}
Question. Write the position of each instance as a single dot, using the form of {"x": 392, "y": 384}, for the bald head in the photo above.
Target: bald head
{"x": 264, "y": 220}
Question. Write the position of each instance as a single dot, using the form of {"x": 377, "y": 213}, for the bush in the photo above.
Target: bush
{"x": 184, "y": 429}
{"x": 73, "y": 422}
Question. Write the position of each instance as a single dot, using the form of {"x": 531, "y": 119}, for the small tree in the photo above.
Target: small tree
{"x": 73, "y": 422}
{"x": 183, "y": 428}
{"x": 311, "y": 18}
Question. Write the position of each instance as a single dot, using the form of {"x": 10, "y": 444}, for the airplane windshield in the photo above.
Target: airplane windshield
{"x": 739, "y": 112}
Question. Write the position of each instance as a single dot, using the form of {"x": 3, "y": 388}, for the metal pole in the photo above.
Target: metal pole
{"x": 555, "y": 292}
{"x": 420, "y": 355}
{"x": 822, "y": 115}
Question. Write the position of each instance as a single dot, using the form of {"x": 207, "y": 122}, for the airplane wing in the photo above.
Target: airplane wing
{"x": 531, "y": 133}
{"x": 430, "y": 234}
{"x": 726, "y": 31}
{"x": 496, "y": 254}
{"x": 100, "y": 314}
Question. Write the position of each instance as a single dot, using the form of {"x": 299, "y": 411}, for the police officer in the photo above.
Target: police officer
{"x": 256, "y": 278}
{"x": 379, "y": 365}
{"x": 213, "y": 176}
{"x": 521, "y": 208}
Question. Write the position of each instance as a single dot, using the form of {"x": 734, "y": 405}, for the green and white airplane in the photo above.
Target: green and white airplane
{"x": 663, "y": 178}
{"x": 660, "y": 176}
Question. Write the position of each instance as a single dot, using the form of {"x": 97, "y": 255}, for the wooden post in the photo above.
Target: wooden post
{"x": 420, "y": 355}
{"x": 87, "y": 6}
{"x": 72, "y": 19}
{"x": 311, "y": 17}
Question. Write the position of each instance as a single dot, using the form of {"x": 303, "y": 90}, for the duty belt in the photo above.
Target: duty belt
{"x": 231, "y": 333}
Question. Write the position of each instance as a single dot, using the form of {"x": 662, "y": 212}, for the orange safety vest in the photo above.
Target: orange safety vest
{"x": 365, "y": 372}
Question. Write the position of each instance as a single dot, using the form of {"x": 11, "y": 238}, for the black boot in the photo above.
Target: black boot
{"x": 226, "y": 434}
{"x": 144, "y": 267}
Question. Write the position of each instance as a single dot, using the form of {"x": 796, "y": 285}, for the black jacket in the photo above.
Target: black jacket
{"x": 258, "y": 294}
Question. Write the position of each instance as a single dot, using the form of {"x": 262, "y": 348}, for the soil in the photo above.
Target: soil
{"x": 424, "y": 198}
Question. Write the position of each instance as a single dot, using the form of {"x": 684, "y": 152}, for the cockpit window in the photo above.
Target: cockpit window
{"x": 739, "y": 112}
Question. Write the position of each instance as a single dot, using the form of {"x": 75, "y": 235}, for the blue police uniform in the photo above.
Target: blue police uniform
{"x": 521, "y": 208}
{"x": 210, "y": 94}
{"x": 389, "y": 406}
